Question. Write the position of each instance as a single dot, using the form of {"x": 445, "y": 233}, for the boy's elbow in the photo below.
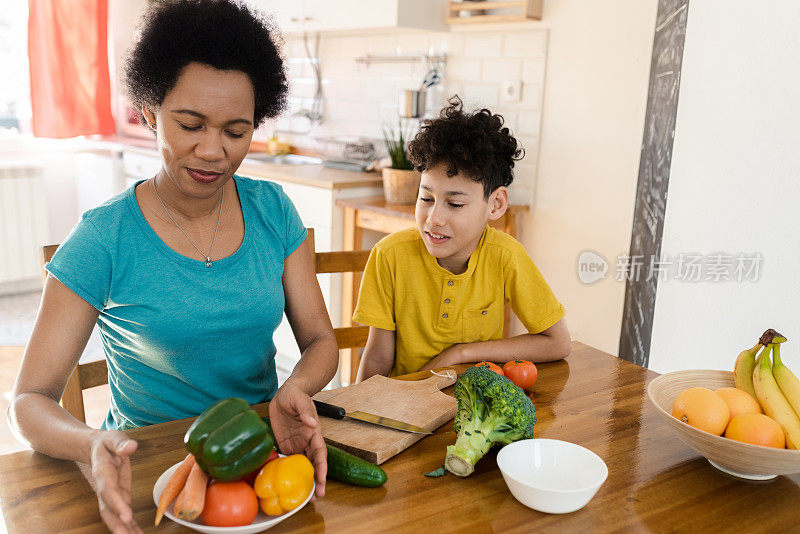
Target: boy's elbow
{"x": 566, "y": 349}
{"x": 564, "y": 346}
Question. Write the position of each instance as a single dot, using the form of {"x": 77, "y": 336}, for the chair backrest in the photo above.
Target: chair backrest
{"x": 92, "y": 374}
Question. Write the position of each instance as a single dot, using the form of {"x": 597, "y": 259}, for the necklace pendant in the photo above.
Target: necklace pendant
{"x": 208, "y": 261}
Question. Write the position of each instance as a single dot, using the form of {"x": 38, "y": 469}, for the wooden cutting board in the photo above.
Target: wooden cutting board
{"x": 416, "y": 402}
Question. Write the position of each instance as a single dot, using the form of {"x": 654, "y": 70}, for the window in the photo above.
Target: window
{"x": 15, "y": 104}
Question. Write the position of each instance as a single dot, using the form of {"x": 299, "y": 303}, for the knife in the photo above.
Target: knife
{"x": 337, "y": 412}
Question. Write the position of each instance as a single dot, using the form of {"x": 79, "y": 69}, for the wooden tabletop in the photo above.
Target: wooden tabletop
{"x": 655, "y": 482}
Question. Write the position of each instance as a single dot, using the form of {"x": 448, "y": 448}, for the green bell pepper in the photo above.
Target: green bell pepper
{"x": 229, "y": 440}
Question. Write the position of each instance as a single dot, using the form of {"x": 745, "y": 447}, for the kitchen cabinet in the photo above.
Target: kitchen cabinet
{"x": 139, "y": 165}
{"x": 97, "y": 178}
{"x": 297, "y": 16}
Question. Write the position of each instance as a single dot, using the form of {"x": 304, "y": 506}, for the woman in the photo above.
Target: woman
{"x": 187, "y": 274}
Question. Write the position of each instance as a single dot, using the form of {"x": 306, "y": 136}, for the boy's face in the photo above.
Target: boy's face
{"x": 451, "y": 214}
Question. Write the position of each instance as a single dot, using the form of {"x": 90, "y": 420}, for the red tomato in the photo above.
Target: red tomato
{"x": 250, "y": 478}
{"x": 522, "y": 372}
{"x": 492, "y": 366}
{"x": 229, "y": 504}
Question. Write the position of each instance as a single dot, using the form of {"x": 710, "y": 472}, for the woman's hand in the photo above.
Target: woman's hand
{"x": 297, "y": 430}
{"x": 111, "y": 479}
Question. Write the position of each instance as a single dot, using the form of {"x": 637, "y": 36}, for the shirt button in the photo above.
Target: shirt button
{"x": 449, "y": 282}
{"x": 484, "y": 312}
{"x": 444, "y": 316}
{"x": 447, "y": 301}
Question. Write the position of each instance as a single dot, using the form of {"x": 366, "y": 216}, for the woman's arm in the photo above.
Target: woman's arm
{"x": 308, "y": 317}
{"x": 62, "y": 328}
{"x": 292, "y": 412}
{"x": 548, "y": 345}
{"x": 378, "y": 356}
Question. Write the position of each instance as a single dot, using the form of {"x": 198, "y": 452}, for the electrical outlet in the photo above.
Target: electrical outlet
{"x": 512, "y": 90}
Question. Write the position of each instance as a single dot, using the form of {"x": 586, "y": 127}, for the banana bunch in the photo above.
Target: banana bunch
{"x": 774, "y": 386}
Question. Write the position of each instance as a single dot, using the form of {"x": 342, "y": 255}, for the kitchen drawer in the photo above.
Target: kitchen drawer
{"x": 140, "y": 166}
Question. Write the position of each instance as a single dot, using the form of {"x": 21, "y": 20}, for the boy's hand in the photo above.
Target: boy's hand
{"x": 452, "y": 356}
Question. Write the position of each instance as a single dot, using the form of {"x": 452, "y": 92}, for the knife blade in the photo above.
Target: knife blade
{"x": 337, "y": 412}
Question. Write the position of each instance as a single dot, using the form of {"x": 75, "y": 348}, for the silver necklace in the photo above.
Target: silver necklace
{"x": 219, "y": 218}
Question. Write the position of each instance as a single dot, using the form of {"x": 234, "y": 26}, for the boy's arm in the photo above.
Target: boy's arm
{"x": 378, "y": 356}
{"x": 548, "y": 345}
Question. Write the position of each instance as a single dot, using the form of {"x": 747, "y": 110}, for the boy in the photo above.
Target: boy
{"x": 434, "y": 295}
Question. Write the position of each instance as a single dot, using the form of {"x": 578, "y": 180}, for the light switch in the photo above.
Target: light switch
{"x": 512, "y": 91}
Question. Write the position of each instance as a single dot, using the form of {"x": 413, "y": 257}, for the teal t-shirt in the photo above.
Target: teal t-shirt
{"x": 178, "y": 335}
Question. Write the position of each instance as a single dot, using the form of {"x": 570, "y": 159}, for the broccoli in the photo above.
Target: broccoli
{"x": 491, "y": 409}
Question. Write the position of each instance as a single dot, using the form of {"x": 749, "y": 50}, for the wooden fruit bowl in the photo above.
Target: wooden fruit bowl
{"x": 736, "y": 458}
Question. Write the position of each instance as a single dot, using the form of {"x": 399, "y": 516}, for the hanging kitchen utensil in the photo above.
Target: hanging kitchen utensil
{"x": 431, "y": 78}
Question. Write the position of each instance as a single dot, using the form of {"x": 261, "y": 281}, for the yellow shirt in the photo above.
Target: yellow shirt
{"x": 431, "y": 309}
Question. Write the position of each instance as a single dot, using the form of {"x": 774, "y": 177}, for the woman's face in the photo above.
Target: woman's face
{"x": 204, "y": 127}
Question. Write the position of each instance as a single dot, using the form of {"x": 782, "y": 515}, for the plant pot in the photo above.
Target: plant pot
{"x": 400, "y": 186}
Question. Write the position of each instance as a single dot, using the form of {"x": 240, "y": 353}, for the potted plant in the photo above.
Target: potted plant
{"x": 400, "y": 181}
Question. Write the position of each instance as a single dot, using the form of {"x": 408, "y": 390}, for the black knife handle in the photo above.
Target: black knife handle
{"x": 329, "y": 410}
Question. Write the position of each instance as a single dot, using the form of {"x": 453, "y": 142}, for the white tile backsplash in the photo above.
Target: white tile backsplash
{"x": 465, "y": 69}
{"x": 360, "y": 99}
{"x": 528, "y": 123}
{"x": 525, "y": 44}
{"x": 496, "y": 70}
{"x": 477, "y": 95}
{"x": 533, "y": 70}
{"x": 483, "y": 45}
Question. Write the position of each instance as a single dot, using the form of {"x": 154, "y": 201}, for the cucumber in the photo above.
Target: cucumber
{"x": 345, "y": 467}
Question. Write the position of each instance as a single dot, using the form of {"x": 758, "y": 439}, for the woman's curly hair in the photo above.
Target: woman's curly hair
{"x": 473, "y": 144}
{"x": 223, "y": 34}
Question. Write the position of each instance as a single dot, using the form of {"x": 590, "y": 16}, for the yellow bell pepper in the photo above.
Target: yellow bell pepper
{"x": 284, "y": 483}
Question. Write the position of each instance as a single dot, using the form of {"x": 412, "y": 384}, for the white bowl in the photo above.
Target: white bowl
{"x": 552, "y": 476}
{"x": 261, "y": 523}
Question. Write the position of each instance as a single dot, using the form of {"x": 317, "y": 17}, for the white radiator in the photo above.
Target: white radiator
{"x": 23, "y": 225}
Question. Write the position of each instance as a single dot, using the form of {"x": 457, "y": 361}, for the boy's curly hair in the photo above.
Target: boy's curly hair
{"x": 473, "y": 144}
{"x": 223, "y": 34}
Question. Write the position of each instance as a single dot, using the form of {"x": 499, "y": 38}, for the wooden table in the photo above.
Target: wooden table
{"x": 655, "y": 483}
{"x": 374, "y": 213}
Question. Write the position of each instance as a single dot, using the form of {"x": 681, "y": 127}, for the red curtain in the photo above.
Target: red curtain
{"x": 68, "y": 53}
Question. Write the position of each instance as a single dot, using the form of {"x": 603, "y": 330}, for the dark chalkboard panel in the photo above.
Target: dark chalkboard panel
{"x": 654, "y": 169}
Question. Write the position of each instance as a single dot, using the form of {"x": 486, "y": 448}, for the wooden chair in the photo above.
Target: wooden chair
{"x": 93, "y": 374}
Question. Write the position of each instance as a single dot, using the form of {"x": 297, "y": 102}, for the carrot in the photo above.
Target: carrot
{"x": 192, "y": 497}
{"x": 174, "y": 486}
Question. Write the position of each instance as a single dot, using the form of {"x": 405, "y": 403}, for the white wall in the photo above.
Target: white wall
{"x": 734, "y": 184}
{"x": 595, "y": 93}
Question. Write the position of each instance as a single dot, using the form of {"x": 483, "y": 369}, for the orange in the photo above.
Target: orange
{"x": 738, "y": 401}
{"x": 756, "y": 429}
{"x": 703, "y": 409}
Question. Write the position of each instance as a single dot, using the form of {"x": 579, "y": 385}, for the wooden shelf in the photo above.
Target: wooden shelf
{"x": 494, "y": 12}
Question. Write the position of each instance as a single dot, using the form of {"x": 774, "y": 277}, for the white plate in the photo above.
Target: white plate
{"x": 261, "y": 523}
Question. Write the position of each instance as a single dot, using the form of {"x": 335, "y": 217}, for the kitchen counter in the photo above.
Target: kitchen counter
{"x": 655, "y": 482}
{"x": 312, "y": 175}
